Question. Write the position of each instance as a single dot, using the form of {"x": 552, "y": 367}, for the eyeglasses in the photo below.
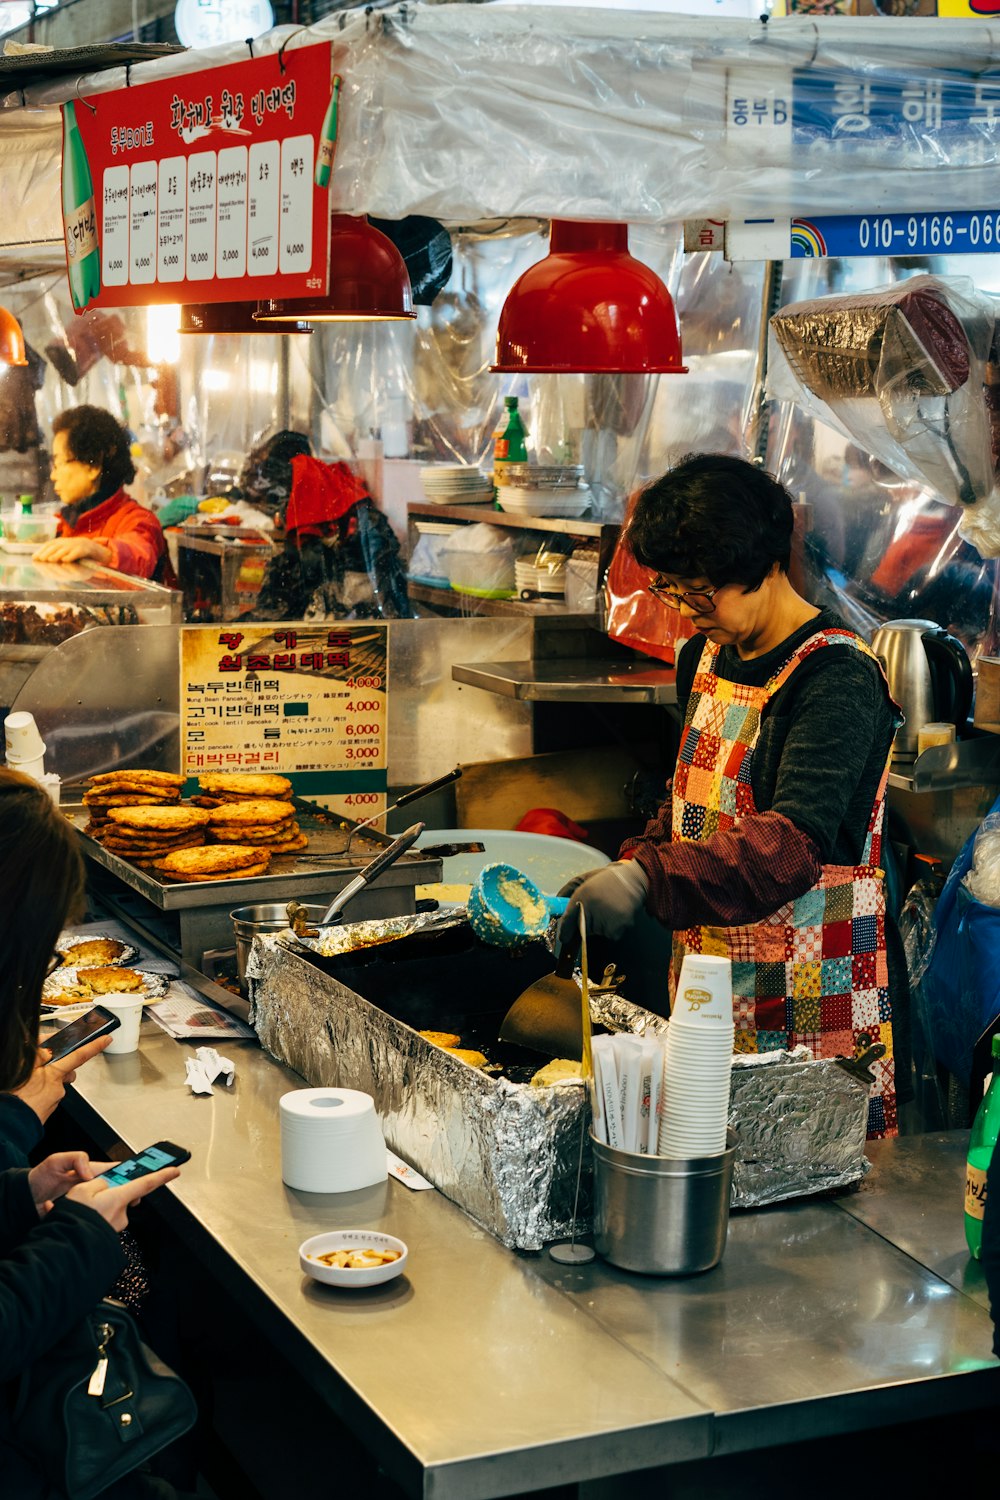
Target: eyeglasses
{"x": 700, "y": 600}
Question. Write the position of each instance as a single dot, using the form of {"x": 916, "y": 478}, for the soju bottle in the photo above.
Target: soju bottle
{"x": 328, "y": 138}
{"x": 985, "y": 1130}
{"x": 83, "y": 250}
{"x": 508, "y": 442}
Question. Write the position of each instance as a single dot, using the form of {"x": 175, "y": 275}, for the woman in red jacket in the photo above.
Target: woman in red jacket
{"x": 99, "y": 522}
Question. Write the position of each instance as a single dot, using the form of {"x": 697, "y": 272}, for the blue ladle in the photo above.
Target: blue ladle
{"x": 506, "y": 907}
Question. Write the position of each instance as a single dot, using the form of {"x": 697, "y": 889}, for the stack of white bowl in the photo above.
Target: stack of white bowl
{"x": 548, "y": 578}
{"x": 694, "y": 1111}
{"x": 455, "y": 484}
{"x": 543, "y": 490}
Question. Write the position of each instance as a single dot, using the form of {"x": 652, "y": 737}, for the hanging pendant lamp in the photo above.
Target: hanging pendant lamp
{"x": 589, "y": 307}
{"x": 232, "y": 317}
{"x": 368, "y": 280}
{"x": 12, "y": 350}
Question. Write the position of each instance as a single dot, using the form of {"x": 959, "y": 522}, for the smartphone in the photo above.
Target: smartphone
{"x": 163, "y": 1154}
{"x": 97, "y": 1022}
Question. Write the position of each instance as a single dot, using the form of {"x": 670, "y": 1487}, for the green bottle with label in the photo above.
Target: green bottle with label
{"x": 328, "y": 138}
{"x": 985, "y": 1131}
{"x": 509, "y": 445}
{"x": 83, "y": 250}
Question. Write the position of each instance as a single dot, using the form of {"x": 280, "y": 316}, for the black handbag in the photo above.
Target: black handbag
{"x": 98, "y": 1405}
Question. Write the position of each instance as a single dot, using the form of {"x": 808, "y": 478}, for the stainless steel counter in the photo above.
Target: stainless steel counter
{"x": 482, "y": 1373}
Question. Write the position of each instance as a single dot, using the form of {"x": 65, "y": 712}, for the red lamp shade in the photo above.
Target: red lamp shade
{"x": 12, "y": 351}
{"x": 368, "y": 280}
{"x": 231, "y": 317}
{"x": 589, "y": 307}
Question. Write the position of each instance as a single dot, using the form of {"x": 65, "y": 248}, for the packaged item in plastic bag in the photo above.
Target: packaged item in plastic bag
{"x": 983, "y": 880}
{"x": 961, "y": 985}
{"x": 901, "y": 371}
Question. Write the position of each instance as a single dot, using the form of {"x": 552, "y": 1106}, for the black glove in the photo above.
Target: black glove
{"x": 611, "y": 899}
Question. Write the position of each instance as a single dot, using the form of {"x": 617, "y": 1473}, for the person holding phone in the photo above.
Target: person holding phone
{"x": 60, "y": 1221}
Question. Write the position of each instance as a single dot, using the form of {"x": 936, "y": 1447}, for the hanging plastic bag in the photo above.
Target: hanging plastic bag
{"x": 634, "y": 616}
{"x": 961, "y": 985}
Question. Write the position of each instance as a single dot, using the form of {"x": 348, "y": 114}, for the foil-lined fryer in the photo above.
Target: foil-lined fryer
{"x": 505, "y": 1152}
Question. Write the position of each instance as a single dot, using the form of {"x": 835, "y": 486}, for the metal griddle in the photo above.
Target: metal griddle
{"x": 203, "y": 906}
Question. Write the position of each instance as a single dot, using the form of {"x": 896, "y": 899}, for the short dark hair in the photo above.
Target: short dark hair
{"x": 94, "y": 437}
{"x": 713, "y": 516}
{"x": 41, "y": 886}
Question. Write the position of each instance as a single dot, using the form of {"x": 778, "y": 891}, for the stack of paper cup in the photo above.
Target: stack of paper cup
{"x": 331, "y": 1141}
{"x": 694, "y": 1111}
{"x": 25, "y": 748}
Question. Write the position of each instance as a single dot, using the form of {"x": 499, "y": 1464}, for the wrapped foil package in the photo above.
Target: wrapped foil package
{"x": 504, "y": 1152}
{"x": 901, "y": 371}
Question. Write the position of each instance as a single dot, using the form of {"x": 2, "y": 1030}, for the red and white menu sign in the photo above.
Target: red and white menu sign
{"x": 204, "y": 184}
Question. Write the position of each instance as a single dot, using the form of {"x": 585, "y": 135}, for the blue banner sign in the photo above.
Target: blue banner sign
{"x": 959, "y": 233}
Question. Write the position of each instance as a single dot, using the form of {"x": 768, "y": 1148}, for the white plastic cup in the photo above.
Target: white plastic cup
{"x": 929, "y": 735}
{"x": 23, "y": 740}
{"x": 128, "y": 1009}
{"x": 35, "y": 767}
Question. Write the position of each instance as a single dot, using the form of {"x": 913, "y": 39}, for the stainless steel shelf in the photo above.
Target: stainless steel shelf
{"x": 945, "y": 768}
{"x": 571, "y": 680}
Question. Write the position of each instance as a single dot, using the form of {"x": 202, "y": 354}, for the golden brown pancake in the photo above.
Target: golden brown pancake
{"x": 127, "y": 798}
{"x": 95, "y": 951}
{"x": 253, "y": 811}
{"x": 137, "y": 773}
{"x": 441, "y": 1038}
{"x": 242, "y": 874}
{"x": 474, "y": 1059}
{"x": 253, "y": 833}
{"x": 289, "y": 846}
{"x": 145, "y": 819}
{"x": 105, "y": 981}
{"x": 246, "y": 784}
{"x": 210, "y": 859}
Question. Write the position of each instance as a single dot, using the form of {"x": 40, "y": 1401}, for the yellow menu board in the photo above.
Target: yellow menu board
{"x": 306, "y": 701}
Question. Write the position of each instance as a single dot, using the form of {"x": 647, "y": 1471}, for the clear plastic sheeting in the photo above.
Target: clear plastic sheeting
{"x": 472, "y": 112}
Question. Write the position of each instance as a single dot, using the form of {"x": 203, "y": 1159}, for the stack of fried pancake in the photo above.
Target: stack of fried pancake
{"x": 268, "y": 822}
{"x": 242, "y": 786}
{"x": 131, "y": 788}
{"x": 144, "y": 835}
{"x": 213, "y": 862}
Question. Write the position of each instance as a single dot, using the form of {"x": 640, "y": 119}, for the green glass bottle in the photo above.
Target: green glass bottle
{"x": 328, "y": 138}
{"x": 24, "y": 504}
{"x": 509, "y": 446}
{"x": 985, "y": 1130}
{"x": 83, "y": 250}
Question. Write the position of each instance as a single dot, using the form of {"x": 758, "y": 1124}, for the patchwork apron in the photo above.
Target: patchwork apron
{"x": 815, "y": 971}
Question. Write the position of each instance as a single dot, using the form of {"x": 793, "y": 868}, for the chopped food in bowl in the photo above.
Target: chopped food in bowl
{"x": 352, "y": 1257}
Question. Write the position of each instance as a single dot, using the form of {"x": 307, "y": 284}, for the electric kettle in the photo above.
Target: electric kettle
{"x": 930, "y": 677}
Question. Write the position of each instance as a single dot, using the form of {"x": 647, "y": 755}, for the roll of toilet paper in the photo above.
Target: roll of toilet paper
{"x": 331, "y": 1141}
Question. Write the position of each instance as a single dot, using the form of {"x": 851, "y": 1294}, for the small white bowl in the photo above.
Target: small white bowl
{"x": 350, "y": 1239}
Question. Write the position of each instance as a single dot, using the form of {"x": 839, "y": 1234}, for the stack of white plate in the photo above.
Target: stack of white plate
{"x": 543, "y": 502}
{"x": 436, "y": 528}
{"x": 455, "y": 484}
{"x": 531, "y": 579}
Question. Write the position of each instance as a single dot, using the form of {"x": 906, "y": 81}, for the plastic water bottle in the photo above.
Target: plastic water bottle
{"x": 985, "y": 1130}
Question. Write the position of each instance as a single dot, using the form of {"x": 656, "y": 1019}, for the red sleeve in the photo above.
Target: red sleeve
{"x": 739, "y": 876}
{"x": 137, "y": 549}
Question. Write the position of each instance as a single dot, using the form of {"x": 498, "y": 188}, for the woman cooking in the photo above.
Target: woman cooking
{"x": 99, "y": 522}
{"x": 768, "y": 849}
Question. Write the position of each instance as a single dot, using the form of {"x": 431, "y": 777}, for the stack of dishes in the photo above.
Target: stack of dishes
{"x": 547, "y": 579}
{"x": 543, "y": 490}
{"x": 455, "y": 484}
{"x": 698, "y": 1061}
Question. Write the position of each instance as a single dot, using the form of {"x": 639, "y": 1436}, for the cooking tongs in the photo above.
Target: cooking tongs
{"x": 371, "y": 872}
{"x": 343, "y": 846}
